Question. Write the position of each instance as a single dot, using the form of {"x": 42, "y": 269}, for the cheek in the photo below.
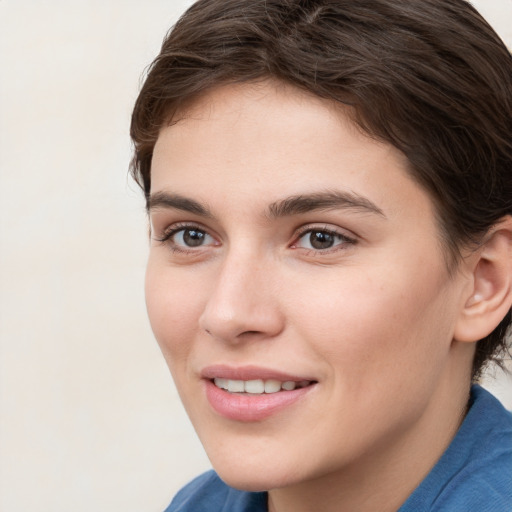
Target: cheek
{"x": 173, "y": 308}
{"x": 380, "y": 325}
{"x": 384, "y": 344}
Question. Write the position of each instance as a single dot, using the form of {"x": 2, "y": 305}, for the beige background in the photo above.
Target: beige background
{"x": 89, "y": 419}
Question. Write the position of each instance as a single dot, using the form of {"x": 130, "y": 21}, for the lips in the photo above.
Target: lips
{"x": 251, "y": 393}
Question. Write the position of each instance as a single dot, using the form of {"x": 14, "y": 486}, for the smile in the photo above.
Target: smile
{"x": 251, "y": 393}
{"x": 259, "y": 386}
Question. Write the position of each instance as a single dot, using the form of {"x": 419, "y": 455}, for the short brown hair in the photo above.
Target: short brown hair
{"x": 430, "y": 77}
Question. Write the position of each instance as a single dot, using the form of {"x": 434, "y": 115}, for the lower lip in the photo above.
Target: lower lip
{"x": 247, "y": 407}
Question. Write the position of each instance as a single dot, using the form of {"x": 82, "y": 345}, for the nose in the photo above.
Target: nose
{"x": 243, "y": 303}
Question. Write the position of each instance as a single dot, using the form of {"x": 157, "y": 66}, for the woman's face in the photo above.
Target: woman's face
{"x": 294, "y": 262}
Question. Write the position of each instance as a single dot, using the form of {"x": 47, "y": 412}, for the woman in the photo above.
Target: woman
{"x": 330, "y": 195}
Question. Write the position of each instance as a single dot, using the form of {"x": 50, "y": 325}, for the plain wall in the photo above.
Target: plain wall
{"x": 89, "y": 418}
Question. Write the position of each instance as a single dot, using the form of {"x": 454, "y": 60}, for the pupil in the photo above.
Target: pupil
{"x": 321, "y": 240}
{"x": 193, "y": 238}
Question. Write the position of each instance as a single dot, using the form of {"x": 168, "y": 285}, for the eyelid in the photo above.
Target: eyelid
{"x": 176, "y": 227}
{"x": 347, "y": 239}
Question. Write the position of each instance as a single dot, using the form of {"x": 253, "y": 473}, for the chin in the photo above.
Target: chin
{"x": 249, "y": 485}
{"x": 257, "y": 475}
{"x": 253, "y": 483}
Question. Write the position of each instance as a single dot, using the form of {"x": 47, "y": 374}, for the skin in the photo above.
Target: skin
{"x": 372, "y": 319}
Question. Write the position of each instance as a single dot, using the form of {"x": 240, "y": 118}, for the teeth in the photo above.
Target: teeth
{"x": 272, "y": 386}
{"x": 254, "y": 386}
{"x": 236, "y": 386}
{"x": 221, "y": 383}
{"x": 258, "y": 386}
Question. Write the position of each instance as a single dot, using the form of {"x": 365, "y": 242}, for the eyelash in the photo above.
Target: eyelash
{"x": 345, "y": 240}
{"x": 166, "y": 238}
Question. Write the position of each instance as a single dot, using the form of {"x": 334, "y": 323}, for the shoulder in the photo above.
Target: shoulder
{"x": 475, "y": 472}
{"x": 205, "y": 489}
{"x": 208, "y": 493}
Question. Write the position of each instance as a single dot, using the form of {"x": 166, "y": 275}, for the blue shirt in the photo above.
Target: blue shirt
{"x": 473, "y": 475}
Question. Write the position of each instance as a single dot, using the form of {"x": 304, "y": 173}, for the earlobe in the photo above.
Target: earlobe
{"x": 491, "y": 294}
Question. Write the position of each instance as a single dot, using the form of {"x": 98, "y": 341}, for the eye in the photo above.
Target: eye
{"x": 322, "y": 239}
{"x": 187, "y": 237}
{"x": 191, "y": 237}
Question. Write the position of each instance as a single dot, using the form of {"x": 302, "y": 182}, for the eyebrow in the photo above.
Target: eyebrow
{"x": 293, "y": 205}
{"x": 329, "y": 200}
{"x": 177, "y": 202}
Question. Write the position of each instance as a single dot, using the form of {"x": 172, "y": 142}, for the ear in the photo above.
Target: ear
{"x": 490, "y": 297}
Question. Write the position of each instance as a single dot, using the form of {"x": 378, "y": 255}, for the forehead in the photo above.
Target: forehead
{"x": 253, "y": 144}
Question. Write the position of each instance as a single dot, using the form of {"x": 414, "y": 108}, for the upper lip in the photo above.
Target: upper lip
{"x": 249, "y": 372}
